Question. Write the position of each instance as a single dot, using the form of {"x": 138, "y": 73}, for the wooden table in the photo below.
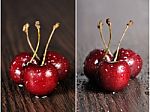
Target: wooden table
{"x": 132, "y": 99}
{"x": 14, "y": 15}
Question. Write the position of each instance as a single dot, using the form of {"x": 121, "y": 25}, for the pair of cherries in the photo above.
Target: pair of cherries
{"x": 112, "y": 71}
{"x": 38, "y": 79}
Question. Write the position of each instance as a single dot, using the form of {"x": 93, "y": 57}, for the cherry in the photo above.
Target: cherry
{"x": 93, "y": 59}
{"x": 113, "y": 76}
{"x": 52, "y": 57}
{"x": 20, "y": 61}
{"x": 41, "y": 80}
{"x": 59, "y": 61}
{"x": 133, "y": 59}
{"x": 17, "y": 65}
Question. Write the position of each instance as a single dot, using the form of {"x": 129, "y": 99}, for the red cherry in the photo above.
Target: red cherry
{"x": 40, "y": 80}
{"x": 113, "y": 76}
{"x": 59, "y": 61}
{"x": 17, "y": 65}
{"x": 133, "y": 59}
{"x": 92, "y": 61}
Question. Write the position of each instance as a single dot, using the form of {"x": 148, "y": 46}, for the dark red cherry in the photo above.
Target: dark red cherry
{"x": 59, "y": 61}
{"x": 40, "y": 80}
{"x": 133, "y": 59}
{"x": 17, "y": 65}
{"x": 92, "y": 61}
{"x": 113, "y": 76}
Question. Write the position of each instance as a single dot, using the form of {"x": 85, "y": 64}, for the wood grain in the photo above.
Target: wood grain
{"x": 134, "y": 98}
{"x": 14, "y": 15}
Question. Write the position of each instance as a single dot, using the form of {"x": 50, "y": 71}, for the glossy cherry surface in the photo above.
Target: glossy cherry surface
{"x": 92, "y": 61}
{"x": 60, "y": 62}
{"x": 17, "y": 65}
{"x": 113, "y": 76}
{"x": 40, "y": 80}
{"x": 133, "y": 59}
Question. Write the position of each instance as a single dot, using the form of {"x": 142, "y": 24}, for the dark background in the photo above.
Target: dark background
{"x": 14, "y": 15}
{"x": 135, "y": 97}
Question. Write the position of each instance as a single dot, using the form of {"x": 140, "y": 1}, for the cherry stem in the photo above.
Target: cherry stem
{"x": 110, "y": 37}
{"x": 37, "y": 25}
{"x": 100, "y": 27}
{"x": 127, "y": 26}
{"x": 26, "y": 30}
{"x": 44, "y": 55}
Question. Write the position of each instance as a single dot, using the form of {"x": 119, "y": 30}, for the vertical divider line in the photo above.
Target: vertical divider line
{"x": 76, "y": 56}
{"x": 149, "y": 44}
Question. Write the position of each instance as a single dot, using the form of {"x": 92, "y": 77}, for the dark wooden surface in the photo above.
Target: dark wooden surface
{"x": 134, "y": 98}
{"x": 14, "y": 15}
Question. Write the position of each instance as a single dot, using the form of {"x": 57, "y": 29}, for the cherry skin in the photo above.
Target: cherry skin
{"x": 59, "y": 61}
{"x": 92, "y": 61}
{"x": 113, "y": 76}
{"x": 40, "y": 80}
{"x": 133, "y": 59}
{"x": 17, "y": 65}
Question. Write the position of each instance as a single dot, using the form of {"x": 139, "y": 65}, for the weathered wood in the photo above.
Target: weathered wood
{"x": 134, "y": 98}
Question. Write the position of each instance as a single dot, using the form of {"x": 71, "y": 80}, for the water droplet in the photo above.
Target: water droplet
{"x": 43, "y": 97}
{"x": 125, "y": 57}
{"x": 36, "y": 97}
{"x": 147, "y": 88}
{"x": 23, "y": 64}
{"x": 106, "y": 97}
{"x": 106, "y": 70}
{"x": 127, "y": 52}
{"x": 96, "y": 62}
{"x": 121, "y": 110}
{"x": 51, "y": 61}
{"x": 14, "y": 62}
{"x": 48, "y": 73}
{"x": 17, "y": 72}
{"x": 58, "y": 65}
{"x": 113, "y": 92}
{"x": 147, "y": 92}
{"x": 20, "y": 85}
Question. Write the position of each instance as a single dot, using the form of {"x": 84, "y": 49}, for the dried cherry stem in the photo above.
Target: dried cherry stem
{"x": 130, "y": 23}
{"x": 37, "y": 25}
{"x": 44, "y": 55}
{"x": 100, "y": 27}
{"x": 26, "y": 30}
{"x": 110, "y": 37}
